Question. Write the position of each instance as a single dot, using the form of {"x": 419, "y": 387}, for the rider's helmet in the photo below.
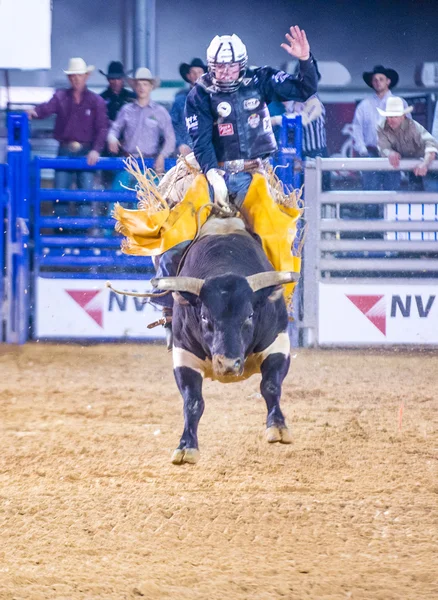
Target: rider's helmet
{"x": 227, "y": 59}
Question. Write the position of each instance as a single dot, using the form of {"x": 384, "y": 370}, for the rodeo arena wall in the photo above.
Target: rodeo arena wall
{"x": 364, "y": 282}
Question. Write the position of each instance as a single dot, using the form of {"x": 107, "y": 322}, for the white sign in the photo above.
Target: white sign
{"x": 85, "y": 308}
{"x": 378, "y": 314}
{"x": 25, "y": 30}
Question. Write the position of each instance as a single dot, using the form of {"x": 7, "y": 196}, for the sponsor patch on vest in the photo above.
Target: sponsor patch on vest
{"x": 267, "y": 126}
{"x": 192, "y": 122}
{"x": 224, "y": 109}
{"x": 251, "y": 103}
{"x": 254, "y": 120}
{"x": 280, "y": 76}
{"x": 226, "y": 129}
{"x": 246, "y": 80}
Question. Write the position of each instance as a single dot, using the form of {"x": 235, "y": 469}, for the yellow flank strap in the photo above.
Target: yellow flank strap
{"x": 152, "y": 234}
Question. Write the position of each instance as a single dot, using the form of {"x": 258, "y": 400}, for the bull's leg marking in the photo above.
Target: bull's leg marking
{"x": 274, "y": 369}
{"x": 189, "y": 383}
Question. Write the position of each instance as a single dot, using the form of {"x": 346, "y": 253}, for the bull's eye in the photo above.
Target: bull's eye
{"x": 250, "y": 317}
{"x": 204, "y": 319}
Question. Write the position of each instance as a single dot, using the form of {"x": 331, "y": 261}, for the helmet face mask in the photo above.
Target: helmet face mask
{"x": 227, "y": 59}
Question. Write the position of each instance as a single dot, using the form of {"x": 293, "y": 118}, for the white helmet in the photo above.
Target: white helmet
{"x": 227, "y": 49}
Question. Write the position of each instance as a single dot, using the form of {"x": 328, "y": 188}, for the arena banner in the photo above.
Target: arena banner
{"x": 378, "y": 314}
{"x": 85, "y": 308}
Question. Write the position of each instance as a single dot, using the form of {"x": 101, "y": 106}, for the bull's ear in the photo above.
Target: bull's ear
{"x": 185, "y": 298}
{"x": 276, "y": 294}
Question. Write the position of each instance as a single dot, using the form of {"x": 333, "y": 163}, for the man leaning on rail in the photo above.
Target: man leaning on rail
{"x": 81, "y": 123}
{"x": 399, "y": 137}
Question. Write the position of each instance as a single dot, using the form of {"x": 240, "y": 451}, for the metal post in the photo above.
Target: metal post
{"x": 17, "y": 244}
{"x": 310, "y": 280}
{"x": 289, "y": 156}
{"x": 140, "y": 34}
{"x": 151, "y": 30}
{"x": 145, "y": 41}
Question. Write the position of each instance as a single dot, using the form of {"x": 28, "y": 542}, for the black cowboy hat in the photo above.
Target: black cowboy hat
{"x": 184, "y": 68}
{"x": 115, "y": 70}
{"x": 389, "y": 73}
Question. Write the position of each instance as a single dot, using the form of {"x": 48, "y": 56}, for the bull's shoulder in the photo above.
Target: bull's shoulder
{"x": 232, "y": 253}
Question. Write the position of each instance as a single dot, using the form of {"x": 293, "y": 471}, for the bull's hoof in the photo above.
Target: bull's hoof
{"x": 275, "y": 434}
{"x": 185, "y": 455}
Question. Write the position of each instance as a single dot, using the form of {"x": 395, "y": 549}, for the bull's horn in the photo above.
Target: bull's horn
{"x": 270, "y": 278}
{"x": 179, "y": 284}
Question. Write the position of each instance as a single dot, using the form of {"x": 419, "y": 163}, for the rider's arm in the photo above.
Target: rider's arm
{"x": 48, "y": 108}
{"x": 199, "y": 123}
{"x": 178, "y": 121}
{"x": 279, "y": 85}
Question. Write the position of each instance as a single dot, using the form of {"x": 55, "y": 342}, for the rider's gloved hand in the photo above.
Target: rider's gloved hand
{"x": 220, "y": 190}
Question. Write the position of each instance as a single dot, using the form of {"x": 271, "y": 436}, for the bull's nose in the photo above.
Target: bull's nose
{"x": 227, "y": 366}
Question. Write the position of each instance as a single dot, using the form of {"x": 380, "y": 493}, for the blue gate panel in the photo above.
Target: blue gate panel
{"x": 3, "y": 201}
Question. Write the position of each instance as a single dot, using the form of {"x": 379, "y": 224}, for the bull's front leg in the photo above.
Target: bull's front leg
{"x": 189, "y": 383}
{"x": 274, "y": 369}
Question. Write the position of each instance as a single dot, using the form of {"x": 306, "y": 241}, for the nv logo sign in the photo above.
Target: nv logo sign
{"x": 89, "y": 301}
{"x": 373, "y": 307}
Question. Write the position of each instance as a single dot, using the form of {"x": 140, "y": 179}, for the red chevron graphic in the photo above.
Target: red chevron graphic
{"x": 373, "y": 307}
{"x": 87, "y": 300}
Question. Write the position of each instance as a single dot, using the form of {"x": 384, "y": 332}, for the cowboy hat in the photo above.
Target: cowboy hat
{"x": 184, "y": 68}
{"x": 395, "y": 108}
{"x": 143, "y": 73}
{"x": 115, "y": 70}
{"x": 78, "y": 66}
{"x": 389, "y": 73}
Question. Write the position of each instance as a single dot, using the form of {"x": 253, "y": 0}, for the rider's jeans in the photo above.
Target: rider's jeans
{"x": 238, "y": 184}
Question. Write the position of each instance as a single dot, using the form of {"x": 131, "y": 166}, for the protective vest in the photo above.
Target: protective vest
{"x": 242, "y": 124}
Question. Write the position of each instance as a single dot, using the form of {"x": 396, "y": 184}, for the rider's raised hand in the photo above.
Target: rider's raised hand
{"x": 297, "y": 45}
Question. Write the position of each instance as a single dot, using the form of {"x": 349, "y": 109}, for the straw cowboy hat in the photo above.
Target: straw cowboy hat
{"x": 78, "y": 66}
{"x": 184, "y": 68}
{"x": 143, "y": 73}
{"x": 389, "y": 73}
{"x": 395, "y": 108}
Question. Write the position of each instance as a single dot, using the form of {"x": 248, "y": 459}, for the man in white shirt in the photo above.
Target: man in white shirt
{"x": 365, "y": 122}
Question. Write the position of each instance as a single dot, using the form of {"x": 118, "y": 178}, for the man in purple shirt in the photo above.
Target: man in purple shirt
{"x": 81, "y": 123}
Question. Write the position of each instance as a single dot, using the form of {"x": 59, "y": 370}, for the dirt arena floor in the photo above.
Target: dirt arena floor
{"x": 92, "y": 508}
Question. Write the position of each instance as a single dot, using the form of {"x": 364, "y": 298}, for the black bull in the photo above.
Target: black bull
{"x": 230, "y": 321}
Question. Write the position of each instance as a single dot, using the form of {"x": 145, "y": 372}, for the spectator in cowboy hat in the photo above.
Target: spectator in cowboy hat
{"x": 145, "y": 125}
{"x": 381, "y": 79}
{"x": 81, "y": 122}
{"x": 190, "y": 72}
{"x": 399, "y": 137}
{"x": 115, "y": 95}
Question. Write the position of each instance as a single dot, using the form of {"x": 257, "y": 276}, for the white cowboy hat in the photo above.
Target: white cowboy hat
{"x": 78, "y": 66}
{"x": 143, "y": 73}
{"x": 395, "y": 108}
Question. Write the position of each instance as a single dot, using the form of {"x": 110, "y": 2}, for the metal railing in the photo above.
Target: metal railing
{"x": 340, "y": 249}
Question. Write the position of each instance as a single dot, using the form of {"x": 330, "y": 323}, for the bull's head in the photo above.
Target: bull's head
{"x": 229, "y": 308}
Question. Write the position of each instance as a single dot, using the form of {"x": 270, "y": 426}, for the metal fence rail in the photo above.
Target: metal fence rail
{"x": 343, "y": 251}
